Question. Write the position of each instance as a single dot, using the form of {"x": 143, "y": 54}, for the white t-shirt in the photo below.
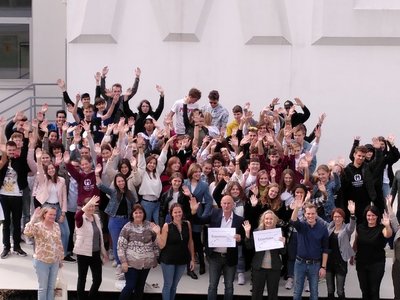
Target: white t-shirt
{"x": 10, "y": 184}
{"x": 177, "y": 108}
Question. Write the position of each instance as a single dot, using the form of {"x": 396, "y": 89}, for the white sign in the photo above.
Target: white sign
{"x": 221, "y": 237}
{"x": 268, "y": 239}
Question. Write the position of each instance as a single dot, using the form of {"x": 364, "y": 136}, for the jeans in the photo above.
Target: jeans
{"x": 396, "y": 278}
{"x": 115, "y": 225}
{"x": 241, "y": 266}
{"x": 134, "y": 281}
{"x": 292, "y": 252}
{"x": 370, "y": 278}
{"x": 64, "y": 228}
{"x": 12, "y": 205}
{"x": 262, "y": 276}
{"x": 47, "y": 275}
{"x": 172, "y": 274}
{"x": 301, "y": 270}
{"x": 152, "y": 209}
{"x": 340, "y": 276}
{"x": 217, "y": 264}
{"x": 95, "y": 264}
{"x": 26, "y": 206}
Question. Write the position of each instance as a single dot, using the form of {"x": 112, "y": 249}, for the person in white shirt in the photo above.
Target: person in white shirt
{"x": 191, "y": 99}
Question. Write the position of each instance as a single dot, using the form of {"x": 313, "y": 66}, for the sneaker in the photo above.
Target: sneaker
{"x": 5, "y": 253}
{"x": 110, "y": 254}
{"x": 114, "y": 264}
{"x": 289, "y": 283}
{"x": 68, "y": 258}
{"x": 20, "y": 252}
{"x": 120, "y": 276}
{"x": 118, "y": 270}
{"x": 306, "y": 286}
{"x": 241, "y": 279}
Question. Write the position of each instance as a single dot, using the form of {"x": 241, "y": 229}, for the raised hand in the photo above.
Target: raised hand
{"x": 186, "y": 190}
{"x": 389, "y": 204}
{"x": 155, "y": 228}
{"x": 160, "y": 89}
{"x": 246, "y": 226}
{"x": 194, "y": 205}
{"x": 66, "y": 157}
{"x": 275, "y": 101}
{"x": 138, "y": 72}
{"x": 351, "y": 206}
{"x": 98, "y": 169}
{"x": 97, "y": 77}
{"x": 61, "y": 84}
{"x": 385, "y": 220}
{"x": 298, "y": 102}
{"x": 38, "y": 154}
{"x": 104, "y": 71}
{"x": 44, "y": 108}
{"x": 253, "y": 200}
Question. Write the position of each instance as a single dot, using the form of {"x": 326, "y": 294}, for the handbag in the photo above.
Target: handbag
{"x": 61, "y": 289}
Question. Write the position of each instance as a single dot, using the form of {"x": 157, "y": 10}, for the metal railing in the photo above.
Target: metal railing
{"x": 11, "y": 102}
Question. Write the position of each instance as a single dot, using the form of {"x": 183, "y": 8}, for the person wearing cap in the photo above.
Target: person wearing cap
{"x": 218, "y": 113}
{"x": 297, "y": 117}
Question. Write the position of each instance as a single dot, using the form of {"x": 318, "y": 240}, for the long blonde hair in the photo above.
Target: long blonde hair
{"x": 261, "y": 220}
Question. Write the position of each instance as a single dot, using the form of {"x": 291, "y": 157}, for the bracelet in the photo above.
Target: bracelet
{"x": 323, "y": 267}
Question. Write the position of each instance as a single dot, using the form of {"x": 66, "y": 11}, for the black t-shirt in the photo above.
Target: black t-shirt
{"x": 370, "y": 244}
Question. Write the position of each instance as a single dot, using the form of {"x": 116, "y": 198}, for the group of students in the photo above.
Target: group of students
{"x": 118, "y": 185}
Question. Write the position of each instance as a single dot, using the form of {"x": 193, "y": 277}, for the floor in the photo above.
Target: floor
{"x": 18, "y": 273}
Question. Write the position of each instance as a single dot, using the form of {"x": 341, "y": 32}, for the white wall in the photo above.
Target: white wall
{"x": 340, "y": 57}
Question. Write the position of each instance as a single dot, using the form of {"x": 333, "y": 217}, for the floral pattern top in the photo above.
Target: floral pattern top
{"x": 48, "y": 246}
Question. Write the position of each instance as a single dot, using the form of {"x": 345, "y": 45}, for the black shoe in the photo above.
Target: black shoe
{"x": 202, "y": 270}
{"x": 68, "y": 258}
{"x": 192, "y": 274}
{"x": 5, "y": 253}
{"x": 20, "y": 252}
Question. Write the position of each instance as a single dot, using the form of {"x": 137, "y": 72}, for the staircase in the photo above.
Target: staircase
{"x": 30, "y": 99}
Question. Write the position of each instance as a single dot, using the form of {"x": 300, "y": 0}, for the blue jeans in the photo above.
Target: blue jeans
{"x": 152, "y": 209}
{"x": 217, "y": 264}
{"x": 301, "y": 270}
{"x": 115, "y": 225}
{"x": 47, "y": 275}
{"x": 172, "y": 274}
{"x": 134, "y": 281}
{"x": 241, "y": 266}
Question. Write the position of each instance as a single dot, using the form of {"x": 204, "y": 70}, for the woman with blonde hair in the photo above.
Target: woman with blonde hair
{"x": 49, "y": 251}
{"x": 266, "y": 265}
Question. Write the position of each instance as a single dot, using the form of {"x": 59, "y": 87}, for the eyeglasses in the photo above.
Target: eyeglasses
{"x": 337, "y": 217}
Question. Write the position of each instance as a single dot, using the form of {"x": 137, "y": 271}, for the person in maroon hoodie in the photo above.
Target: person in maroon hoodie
{"x": 85, "y": 178}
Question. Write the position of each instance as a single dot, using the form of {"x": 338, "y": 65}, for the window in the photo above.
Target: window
{"x": 15, "y": 19}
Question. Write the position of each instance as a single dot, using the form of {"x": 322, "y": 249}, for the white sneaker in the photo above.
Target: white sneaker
{"x": 241, "y": 279}
{"x": 114, "y": 264}
{"x": 289, "y": 283}
{"x": 110, "y": 254}
{"x": 306, "y": 286}
{"x": 119, "y": 284}
{"x": 118, "y": 269}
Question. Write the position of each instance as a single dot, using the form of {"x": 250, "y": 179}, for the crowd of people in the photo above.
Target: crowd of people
{"x": 121, "y": 184}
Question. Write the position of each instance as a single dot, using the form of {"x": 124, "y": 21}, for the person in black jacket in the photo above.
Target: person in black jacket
{"x": 176, "y": 194}
{"x": 221, "y": 259}
{"x": 145, "y": 110}
{"x": 359, "y": 180}
{"x": 13, "y": 180}
{"x": 266, "y": 265}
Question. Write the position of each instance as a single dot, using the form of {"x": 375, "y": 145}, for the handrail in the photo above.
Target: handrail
{"x": 30, "y": 101}
{"x": 32, "y": 85}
